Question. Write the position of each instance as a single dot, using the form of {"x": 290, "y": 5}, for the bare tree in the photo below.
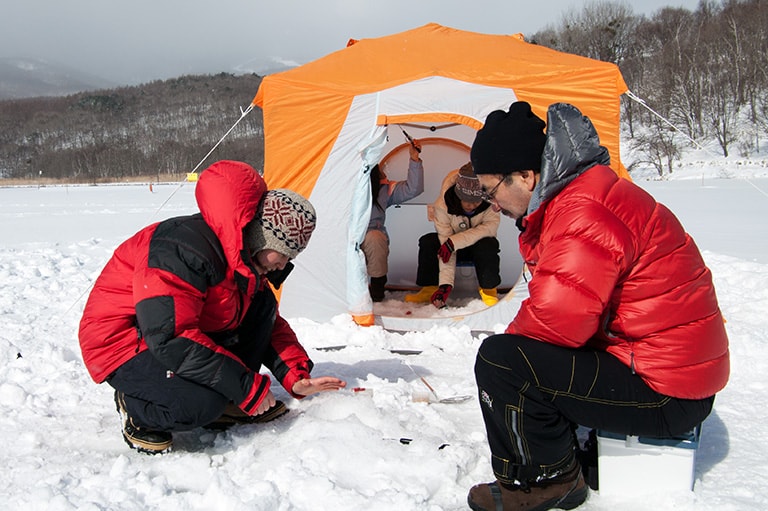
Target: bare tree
{"x": 657, "y": 146}
{"x": 747, "y": 23}
{"x": 704, "y": 71}
{"x": 603, "y": 30}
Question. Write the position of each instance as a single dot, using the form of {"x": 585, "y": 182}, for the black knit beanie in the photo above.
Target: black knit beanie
{"x": 509, "y": 141}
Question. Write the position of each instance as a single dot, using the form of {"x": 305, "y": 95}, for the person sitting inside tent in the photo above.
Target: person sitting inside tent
{"x": 182, "y": 317}
{"x": 384, "y": 194}
{"x": 466, "y": 231}
{"x": 621, "y": 330}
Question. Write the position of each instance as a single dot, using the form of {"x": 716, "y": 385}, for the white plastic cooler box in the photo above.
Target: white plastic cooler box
{"x": 629, "y": 465}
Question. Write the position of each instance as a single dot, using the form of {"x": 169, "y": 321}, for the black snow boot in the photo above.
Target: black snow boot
{"x": 376, "y": 288}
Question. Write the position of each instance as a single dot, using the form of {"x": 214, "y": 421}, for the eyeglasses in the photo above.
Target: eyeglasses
{"x": 490, "y": 195}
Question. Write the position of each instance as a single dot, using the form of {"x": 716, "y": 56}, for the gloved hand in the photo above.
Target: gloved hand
{"x": 445, "y": 250}
{"x": 440, "y": 296}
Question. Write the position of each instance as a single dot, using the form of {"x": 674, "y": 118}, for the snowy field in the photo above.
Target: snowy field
{"x": 340, "y": 451}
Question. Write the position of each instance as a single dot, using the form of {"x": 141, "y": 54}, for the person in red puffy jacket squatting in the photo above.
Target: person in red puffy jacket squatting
{"x": 621, "y": 330}
{"x": 182, "y": 317}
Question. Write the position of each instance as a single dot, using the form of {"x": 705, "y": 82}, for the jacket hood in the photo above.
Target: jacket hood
{"x": 228, "y": 194}
{"x": 572, "y": 147}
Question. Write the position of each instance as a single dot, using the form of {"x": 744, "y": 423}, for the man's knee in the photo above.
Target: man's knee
{"x": 429, "y": 241}
{"x": 499, "y": 347}
{"x": 195, "y": 411}
{"x": 488, "y": 244}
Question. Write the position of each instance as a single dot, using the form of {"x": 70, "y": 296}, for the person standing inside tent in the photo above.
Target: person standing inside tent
{"x": 384, "y": 194}
{"x": 621, "y": 330}
{"x": 182, "y": 317}
{"x": 466, "y": 229}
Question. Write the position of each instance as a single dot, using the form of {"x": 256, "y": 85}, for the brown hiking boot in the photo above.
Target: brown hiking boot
{"x": 142, "y": 439}
{"x": 564, "y": 491}
{"x": 233, "y": 416}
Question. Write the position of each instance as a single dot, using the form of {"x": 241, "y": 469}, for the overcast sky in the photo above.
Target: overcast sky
{"x": 130, "y": 42}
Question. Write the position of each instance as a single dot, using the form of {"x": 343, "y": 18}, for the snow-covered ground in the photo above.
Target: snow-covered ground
{"x": 62, "y": 449}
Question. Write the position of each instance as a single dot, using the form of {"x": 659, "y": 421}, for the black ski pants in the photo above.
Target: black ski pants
{"x": 159, "y": 400}
{"x": 484, "y": 254}
{"x": 533, "y": 394}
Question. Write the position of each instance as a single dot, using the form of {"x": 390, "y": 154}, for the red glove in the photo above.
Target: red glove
{"x": 440, "y": 296}
{"x": 445, "y": 251}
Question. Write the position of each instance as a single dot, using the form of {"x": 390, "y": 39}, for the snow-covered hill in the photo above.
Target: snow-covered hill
{"x": 341, "y": 451}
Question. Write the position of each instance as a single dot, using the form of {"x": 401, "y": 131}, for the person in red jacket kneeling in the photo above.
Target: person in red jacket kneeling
{"x": 182, "y": 317}
{"x": 621, "y": 330}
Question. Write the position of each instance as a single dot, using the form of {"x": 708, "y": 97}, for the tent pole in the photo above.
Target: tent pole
{"x": 243, "y": 113}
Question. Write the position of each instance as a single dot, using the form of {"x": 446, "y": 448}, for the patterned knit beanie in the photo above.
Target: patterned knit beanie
{"x": 284, "y": 223}
{"x": 467, "y": 185}
{"x": 509, "y": 141}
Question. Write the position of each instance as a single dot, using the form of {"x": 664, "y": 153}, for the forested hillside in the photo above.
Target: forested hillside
{"x": 704, "y": 72}
{"x": 157, "y": 130}
{"x": 702, "y": 75}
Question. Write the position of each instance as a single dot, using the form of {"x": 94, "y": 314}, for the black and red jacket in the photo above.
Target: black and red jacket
{"x": 177, "y": 285}
{"x": 614, "y": 270}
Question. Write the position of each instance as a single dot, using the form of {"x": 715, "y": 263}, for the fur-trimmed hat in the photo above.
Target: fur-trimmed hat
{"x": 509, "y": 141}
{"x": 284, "y": 223}
{"x": 467, "y": 185}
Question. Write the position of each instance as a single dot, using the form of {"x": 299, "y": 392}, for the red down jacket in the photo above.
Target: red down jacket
{"x": 613, "y": 269}
{"x": 176, "y": 284}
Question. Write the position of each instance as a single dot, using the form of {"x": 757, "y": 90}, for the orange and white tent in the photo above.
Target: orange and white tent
{"x": 326, "y": 123}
